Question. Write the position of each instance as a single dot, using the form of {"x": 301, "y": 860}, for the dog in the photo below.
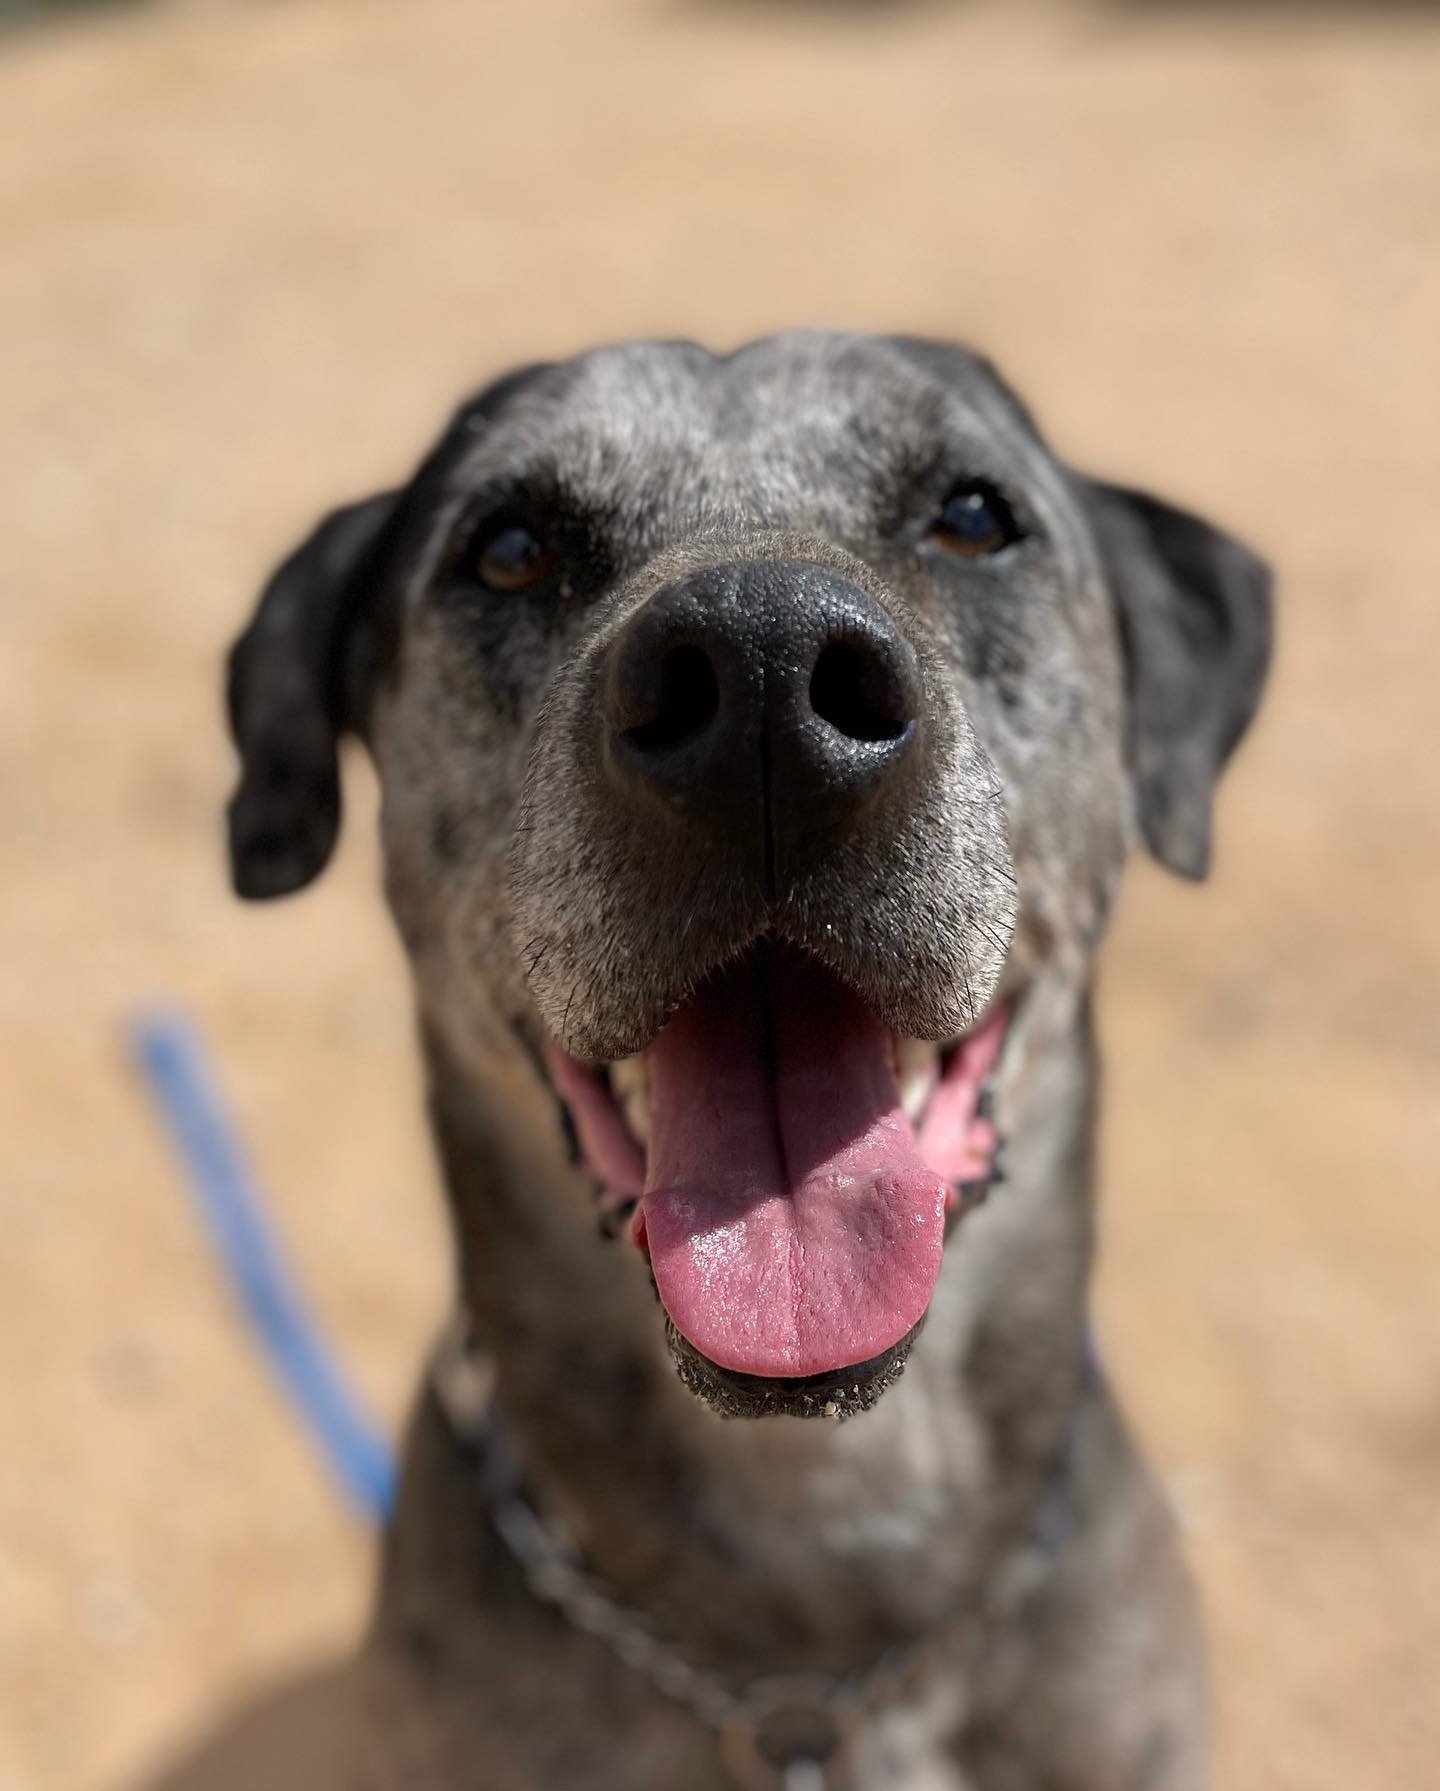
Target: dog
{"x": 761, "y": 738}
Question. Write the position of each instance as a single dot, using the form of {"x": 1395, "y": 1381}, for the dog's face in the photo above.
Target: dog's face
{"x": 755, "y": 732}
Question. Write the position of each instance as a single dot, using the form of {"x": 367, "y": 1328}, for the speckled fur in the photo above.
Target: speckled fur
{"x": 1082, "y": 690}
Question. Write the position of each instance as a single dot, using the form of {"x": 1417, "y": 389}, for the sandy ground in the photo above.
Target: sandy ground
{"x": 250, "y": 254}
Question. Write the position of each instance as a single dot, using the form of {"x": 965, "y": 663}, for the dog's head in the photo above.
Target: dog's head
{"x": 754, "y": 732}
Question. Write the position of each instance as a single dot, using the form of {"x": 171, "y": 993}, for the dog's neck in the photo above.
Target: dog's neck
{"x": 770, "y": 1539}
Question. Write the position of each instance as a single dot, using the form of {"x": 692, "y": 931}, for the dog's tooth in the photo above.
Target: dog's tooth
{"x": 626, "y": 1072}
{"x": 917, "y": 1070}
{"x": 637, "y": 1114}
{"x": 630, "y": 1081}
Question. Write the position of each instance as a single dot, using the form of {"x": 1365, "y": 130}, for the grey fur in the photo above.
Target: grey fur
{"x": 1079, "y": 689}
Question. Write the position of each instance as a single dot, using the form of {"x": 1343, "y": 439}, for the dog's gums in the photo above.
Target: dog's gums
{"x": 789, "y": 1168}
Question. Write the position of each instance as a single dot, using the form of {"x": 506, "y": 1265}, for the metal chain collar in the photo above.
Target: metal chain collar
{"x": 779, "y": 1732}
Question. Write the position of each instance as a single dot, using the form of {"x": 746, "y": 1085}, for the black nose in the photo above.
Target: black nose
{"x": 770, "y": 691}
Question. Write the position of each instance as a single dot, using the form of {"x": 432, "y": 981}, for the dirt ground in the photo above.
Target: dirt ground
{"x": 250, "y": 254}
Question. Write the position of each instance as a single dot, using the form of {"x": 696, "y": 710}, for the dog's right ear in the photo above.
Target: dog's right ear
{"x": 1195, "y": 617}
{"x": 289, "y": 696}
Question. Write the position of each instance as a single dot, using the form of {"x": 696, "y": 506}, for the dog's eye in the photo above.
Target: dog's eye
{"x": 510, "y": 558}
{"x": 975, "y": 521}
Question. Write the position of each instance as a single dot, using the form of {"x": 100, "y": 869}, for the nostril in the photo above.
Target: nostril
{"x": 860, "y": 696}
{"x": 688, "y": 701}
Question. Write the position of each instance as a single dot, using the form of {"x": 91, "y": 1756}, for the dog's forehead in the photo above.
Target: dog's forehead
{"x": 770, "y": 392}
{"x": 806, "y": 412}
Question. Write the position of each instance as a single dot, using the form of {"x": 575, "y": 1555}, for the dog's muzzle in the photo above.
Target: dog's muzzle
{"x": 777, "y": 903}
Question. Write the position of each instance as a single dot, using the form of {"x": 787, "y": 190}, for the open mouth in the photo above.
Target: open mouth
{"x": 789, "y": 1166}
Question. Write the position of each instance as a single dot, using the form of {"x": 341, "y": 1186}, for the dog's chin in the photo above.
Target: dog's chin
{"x": 836, "y": 1395}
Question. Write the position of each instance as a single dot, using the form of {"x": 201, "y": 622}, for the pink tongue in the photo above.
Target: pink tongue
{"x": 792, "y": 1224}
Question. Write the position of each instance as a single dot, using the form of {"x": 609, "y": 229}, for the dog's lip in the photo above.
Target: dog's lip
{"x": 836, "y": 1394}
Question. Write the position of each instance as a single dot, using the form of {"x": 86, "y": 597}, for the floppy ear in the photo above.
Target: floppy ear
{"x": 1195, "y": 618}
{"x": 289, "y": 701}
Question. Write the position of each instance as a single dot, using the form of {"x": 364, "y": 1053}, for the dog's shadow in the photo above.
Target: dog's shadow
{"x": 296, "y": 1735}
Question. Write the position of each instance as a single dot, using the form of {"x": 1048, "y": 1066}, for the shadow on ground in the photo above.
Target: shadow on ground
{"x": 290, "y": 1737}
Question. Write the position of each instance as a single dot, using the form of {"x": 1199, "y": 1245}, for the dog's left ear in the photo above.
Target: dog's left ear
{"x": 291, "y": 693}
{"x": 1195, "y": 618}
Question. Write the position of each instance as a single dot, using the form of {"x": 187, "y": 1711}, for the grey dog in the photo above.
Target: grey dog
{"x": 761, "y": 739}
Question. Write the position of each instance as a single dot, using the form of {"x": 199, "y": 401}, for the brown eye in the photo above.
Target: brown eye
{"x": 512, "y": 559}
{"x": 975, "y": 521}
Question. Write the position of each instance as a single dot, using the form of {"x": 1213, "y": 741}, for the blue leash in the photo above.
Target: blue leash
{"x": 172, "y": 1060}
